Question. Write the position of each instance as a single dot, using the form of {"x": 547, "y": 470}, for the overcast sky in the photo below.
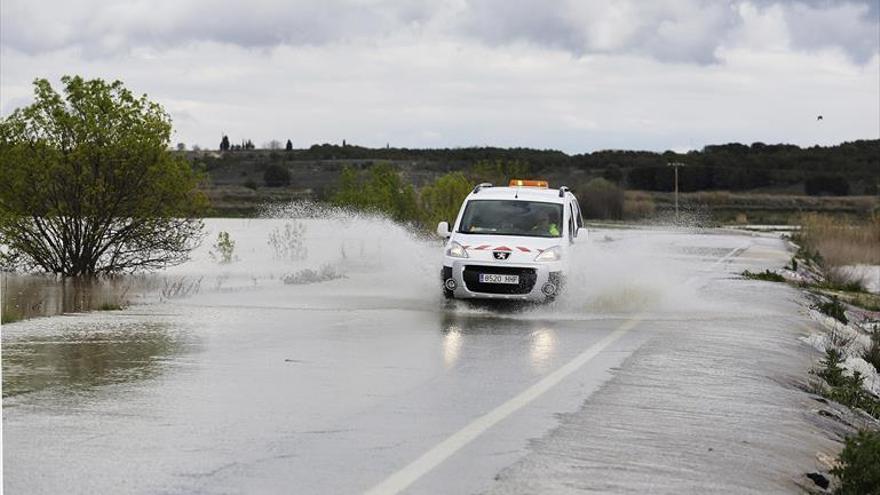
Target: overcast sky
{"x": 571, "y": 75}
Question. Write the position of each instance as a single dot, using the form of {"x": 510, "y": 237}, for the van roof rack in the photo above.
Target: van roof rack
{"x": 563, "y": 190}
{"x": 480, "y": 186}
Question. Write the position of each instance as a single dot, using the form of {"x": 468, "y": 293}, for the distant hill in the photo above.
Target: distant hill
{"x": 847, "y": 168}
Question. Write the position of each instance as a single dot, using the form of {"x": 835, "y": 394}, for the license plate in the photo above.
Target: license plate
{"x": 494, "y": 278}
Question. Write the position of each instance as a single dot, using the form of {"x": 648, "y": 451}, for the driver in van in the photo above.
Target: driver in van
{"x": 546, "y": 224}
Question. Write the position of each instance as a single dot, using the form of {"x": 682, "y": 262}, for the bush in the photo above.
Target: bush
{"x": 637, "y": 204}
{"x": 442, "y": 199}
{"x": 309, "y": 276}
{"x": 831, "y": 370}
{"x": 858, "y": 467}
{"x": 223, "y": 250}
{"x": 250, "y": 184}
{"x": 289, "y": 243}
{"x": 834, "y": 309}
{"x": 826, "y": 185}
{"x": 846, "y": 389}
{"x": 276, "y": 176}
{"x": 498, "y": 172}
{"x": 766, "y": 275}
{"x": 601, "y": 199}
{"x": 383, "y": 191}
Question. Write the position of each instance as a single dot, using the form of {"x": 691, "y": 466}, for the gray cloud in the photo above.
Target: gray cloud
{"x": 670, "y": 30}
{"x": 689, "y": 31}
{"x": 108, "y": 27}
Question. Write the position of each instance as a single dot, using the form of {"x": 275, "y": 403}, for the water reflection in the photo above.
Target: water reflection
{"x": 88, "y": 357}
{"x": 451, "y": 345}
{"x": 29, "y": 296}
{"x": 477, "y": 334}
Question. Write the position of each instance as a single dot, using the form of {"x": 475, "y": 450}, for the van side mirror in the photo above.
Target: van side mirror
{"x": 443, "y": 229}
{"x": 582, "y": 234}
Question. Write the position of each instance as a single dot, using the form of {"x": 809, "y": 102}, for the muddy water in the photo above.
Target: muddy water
{"x": 102, "y": 352}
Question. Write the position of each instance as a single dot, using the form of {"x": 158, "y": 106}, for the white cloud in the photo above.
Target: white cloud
{"x": 568, "y": 75}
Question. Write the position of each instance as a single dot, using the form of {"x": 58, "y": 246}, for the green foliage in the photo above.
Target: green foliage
{"x": 859, "y": 465}
{"x": 10, "y": 314}
{"x": 442, "y": 199}
{"x": 88, "y": 185}
{"x": 846, "y": 389}
{"x": 499, "y": 172}
{"x": 834, "y": 309}
{"x": 831, "y": 185}
{"x": 831, "y": 370}
{"x": 601, "y": 199}
{"x": 382, "y": 191}
{"x": 223, "y": 250}
{"x": 766, "y": 275}
{"x": 276, "y": 175}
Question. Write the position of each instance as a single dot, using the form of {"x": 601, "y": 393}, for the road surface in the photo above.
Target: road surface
{"x": 660, "y": 370}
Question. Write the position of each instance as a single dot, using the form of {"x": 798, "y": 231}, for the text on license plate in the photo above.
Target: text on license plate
{"x": 495, "y": 278}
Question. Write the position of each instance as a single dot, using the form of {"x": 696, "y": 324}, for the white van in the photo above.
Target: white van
{"x": 511, "y": 242}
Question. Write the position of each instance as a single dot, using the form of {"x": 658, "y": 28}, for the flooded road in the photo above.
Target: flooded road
{"x": 658, "y": 369}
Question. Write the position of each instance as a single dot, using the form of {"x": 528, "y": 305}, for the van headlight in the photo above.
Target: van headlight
{"x": 550, "y": 254}
{"x": 456, "y": 250}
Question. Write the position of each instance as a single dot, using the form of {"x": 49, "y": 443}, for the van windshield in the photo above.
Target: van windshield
{"x": 507, "y": 217}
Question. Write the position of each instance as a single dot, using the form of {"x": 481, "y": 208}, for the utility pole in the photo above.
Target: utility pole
{"x": 675, "y": 165}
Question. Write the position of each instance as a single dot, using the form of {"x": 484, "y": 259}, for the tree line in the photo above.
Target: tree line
{"x": 847, "y": 168}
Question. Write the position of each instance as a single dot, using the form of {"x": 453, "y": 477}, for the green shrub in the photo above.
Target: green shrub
{"x": 383, "y": 191}
{"x": 831, "y": 371}
{"x": 859, "y": 465}
{"x": 276, "y": 176}
{"x": 766, "y": 275}
{"x": 834, "y": 309}
{"x": 601, "y": 199}
{"x": 223, "y": 250}
{"x": 498, "y": 172}
{"x": 846, "y": 389}
{"x": 442, "y": 199}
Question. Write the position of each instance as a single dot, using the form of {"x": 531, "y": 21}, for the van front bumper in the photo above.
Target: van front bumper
{"x": 538, "y": 281}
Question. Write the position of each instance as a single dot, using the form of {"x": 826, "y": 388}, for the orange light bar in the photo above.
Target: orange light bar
{"x": 528, "y": 183}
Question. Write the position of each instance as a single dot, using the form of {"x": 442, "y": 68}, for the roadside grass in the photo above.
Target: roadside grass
{"x": 766, "y": 275}
{"x": 835, "y": 241}
{"x": 858, "y": 468}
{"x": 10, "y": 314}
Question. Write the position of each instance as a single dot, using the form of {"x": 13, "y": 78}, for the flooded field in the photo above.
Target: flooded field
{"x": 319, "y": 356}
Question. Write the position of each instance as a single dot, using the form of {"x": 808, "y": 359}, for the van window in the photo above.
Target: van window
{"x": 508, "y": 217}
{"x": 580, "y": 218}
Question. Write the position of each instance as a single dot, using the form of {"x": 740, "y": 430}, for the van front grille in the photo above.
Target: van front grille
{"x": 471, "y": 276}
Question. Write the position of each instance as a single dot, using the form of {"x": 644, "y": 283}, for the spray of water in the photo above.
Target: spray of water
{"x": 361, "y": 259}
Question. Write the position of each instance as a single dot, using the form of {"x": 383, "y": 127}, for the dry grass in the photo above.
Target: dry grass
{"x": 638, "y": 204}
{"x": 842, "y": 242}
